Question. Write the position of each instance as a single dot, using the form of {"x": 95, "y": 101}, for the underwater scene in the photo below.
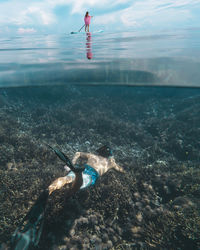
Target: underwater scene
{"x": 99, "y": 141}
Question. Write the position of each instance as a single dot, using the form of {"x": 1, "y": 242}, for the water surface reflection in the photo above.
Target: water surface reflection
{"x": 89, "y": 45}
{"x": 166, "y": 59}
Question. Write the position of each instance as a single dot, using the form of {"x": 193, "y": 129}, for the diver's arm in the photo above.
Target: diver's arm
{"x": 116, "y": 166}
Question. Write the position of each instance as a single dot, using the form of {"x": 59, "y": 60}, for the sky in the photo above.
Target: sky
{"x": 27, "y": 17}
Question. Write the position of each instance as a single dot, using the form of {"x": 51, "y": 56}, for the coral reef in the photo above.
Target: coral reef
{"x": 154, "y": 134}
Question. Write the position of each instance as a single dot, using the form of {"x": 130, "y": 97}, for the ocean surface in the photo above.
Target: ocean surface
{"x": 136, "y": 92}
{"x": 164, "y": 58}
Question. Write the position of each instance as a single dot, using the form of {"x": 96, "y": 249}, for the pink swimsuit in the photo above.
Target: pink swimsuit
{"x": 87, "y": 20}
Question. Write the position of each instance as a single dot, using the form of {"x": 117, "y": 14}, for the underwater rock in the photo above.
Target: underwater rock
{"x": 182, "y": 202}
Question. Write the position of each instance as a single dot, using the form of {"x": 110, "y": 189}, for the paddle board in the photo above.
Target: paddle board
{"x": 98, "y": 31}
{"x": 76, "y": 32}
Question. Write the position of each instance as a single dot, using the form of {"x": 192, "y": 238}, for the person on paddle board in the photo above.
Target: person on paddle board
{"x": 87, "y": 20}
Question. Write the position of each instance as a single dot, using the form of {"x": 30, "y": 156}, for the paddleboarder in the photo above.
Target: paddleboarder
{"x": 87, "y": 20}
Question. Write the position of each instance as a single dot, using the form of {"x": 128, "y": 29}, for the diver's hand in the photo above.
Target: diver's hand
{"x": 116, "y": 166}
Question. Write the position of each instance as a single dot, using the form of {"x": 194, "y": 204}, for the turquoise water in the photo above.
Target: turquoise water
{"x": 165, "y": 58}
{"x": 137, "y": 93}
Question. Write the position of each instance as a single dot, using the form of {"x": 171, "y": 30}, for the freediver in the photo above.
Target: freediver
{"x": 83, "y": 172}
{"x": 94, "y": 165}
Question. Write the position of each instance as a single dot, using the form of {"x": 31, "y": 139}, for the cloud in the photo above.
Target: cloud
{"x": 49, "y": 16}
{"x": 38, "y": 14}
{"x": 150, "y": 12}
{"x": 26, "y": 31}
{"x": 26, "y": 12}
{"x": 80, "y": 6}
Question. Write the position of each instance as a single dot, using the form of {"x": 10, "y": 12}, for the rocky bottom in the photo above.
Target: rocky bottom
{"x": 154, "y": 134}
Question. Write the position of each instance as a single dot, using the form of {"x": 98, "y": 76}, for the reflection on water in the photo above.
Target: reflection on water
{"x": 128, "y": 58}
{"x": 89, "y": 45}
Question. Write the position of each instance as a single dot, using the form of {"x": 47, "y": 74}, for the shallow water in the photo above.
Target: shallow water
{"x": 62, "y": 96}
{"x": 167, "y": 58}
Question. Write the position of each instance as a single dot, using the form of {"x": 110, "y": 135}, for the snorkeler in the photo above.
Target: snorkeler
{"x": 83, "y": 172}
{"x": 94, "y": 165}
{"x": 87, "y": 20}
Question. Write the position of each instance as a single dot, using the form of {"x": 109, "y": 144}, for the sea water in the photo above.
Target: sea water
{"x": 164, "y": 58}
{"x": 137, "y": 92}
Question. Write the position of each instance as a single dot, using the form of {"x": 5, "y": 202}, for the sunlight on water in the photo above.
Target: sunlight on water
{"x": 128, "y": 58}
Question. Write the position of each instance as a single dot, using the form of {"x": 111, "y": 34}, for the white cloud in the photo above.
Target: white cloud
{"x": 26, "y": 30}
{"x": 150, "y": 12}
{"x": 135, "y": 13}
{"x": 26, "y": 12}
{"x": 80, "y": 6}
{"x": 39, "y": 14}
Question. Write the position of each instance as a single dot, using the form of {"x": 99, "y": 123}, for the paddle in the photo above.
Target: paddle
{"x": 78, "y": 31}
{"x": 81, "y": 28}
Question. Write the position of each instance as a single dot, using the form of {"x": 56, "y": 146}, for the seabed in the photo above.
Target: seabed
{"x": 154, "y": 134}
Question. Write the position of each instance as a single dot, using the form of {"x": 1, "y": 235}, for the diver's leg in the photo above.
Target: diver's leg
{"x": 77, "y": 183}
{"x": 60, "y": 182}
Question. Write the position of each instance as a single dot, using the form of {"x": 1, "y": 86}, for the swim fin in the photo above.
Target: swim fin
{"x": 27, "y": 235}
{"x": 66, "y": 160}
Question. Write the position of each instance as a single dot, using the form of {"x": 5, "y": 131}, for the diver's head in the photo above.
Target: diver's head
{"x": 104, "y": 151}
